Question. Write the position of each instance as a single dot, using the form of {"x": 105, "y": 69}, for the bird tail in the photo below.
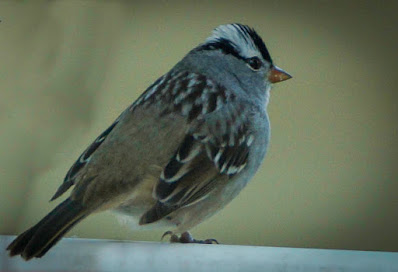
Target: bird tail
{"x": 37, "y": 240}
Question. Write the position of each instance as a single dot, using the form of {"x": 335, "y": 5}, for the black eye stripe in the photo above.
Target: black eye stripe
{"x": 224, "y": 45}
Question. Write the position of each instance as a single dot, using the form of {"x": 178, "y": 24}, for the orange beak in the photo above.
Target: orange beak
{"x": 277, "y": 75}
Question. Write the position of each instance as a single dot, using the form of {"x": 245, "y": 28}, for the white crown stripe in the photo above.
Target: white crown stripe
{"x": 238, "y": 36}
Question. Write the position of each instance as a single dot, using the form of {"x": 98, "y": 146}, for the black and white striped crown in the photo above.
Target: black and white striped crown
{"x": 239, "y": 40}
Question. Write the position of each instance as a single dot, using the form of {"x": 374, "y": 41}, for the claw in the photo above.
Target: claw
{"x": 186, "y": 238}
{"x": 211, "y": 241}
{"x": 173, "y": 237}
{"x": 166, "y": 233}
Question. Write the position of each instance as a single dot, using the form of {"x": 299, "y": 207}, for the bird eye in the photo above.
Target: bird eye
{"x": 254, "y": 63}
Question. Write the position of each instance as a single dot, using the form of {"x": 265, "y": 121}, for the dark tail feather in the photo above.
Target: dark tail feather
{"x": 36, "y": 241}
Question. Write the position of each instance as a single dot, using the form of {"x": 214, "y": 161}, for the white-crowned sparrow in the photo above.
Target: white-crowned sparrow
{"x": 182, "y": 151}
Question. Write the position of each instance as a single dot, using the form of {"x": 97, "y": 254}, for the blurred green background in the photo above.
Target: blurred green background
{"x": 68, "y": 68}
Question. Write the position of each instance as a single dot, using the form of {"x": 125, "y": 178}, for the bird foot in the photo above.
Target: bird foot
{"x": 186, "y": 238}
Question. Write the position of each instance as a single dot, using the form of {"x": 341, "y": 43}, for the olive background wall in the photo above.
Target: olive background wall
{"x": 68, "y": 68}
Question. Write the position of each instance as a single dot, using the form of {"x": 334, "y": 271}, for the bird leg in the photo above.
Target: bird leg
{"x": 186, "y": 238}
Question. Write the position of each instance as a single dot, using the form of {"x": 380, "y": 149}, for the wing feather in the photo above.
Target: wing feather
{"x": 83, "y": 159}
{"x": 215, "y": 148}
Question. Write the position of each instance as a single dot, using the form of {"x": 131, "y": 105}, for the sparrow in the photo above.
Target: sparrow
{"x": 181, "y": 152}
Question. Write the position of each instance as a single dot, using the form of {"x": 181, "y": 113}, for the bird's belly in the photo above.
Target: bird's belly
{"x": 140, "y": 201}
{"x": 187, "y": 217}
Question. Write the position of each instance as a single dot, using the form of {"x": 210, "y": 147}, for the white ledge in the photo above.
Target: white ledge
{"x": 106, "y": 255}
